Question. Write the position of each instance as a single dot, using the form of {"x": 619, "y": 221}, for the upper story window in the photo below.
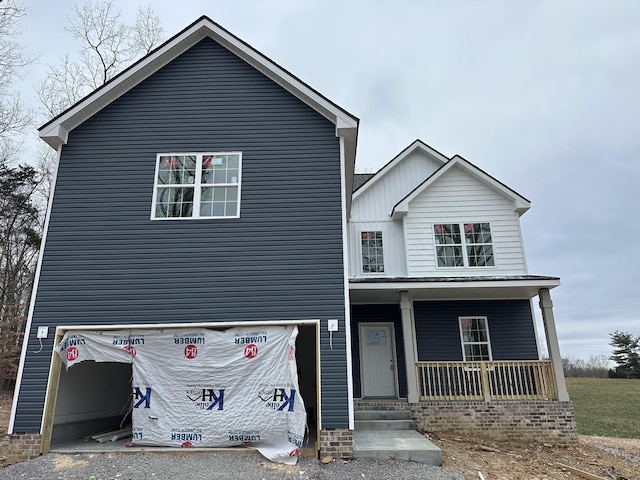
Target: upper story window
{"x": 464, "y": 245}
{"x": 474, "y": 334}
{"x": 197, "y": 185}
{"x": 372, "y": 252}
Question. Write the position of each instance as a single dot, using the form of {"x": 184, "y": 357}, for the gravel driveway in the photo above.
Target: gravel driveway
{"x": 210, "y": 466}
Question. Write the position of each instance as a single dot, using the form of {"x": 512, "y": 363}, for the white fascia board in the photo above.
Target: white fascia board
{"x": 402, "y": 207}
{"x": 416, "y": 145}
{"x": 61, "y": 329}
{"x": 173, "y": 48}
{"x": 547, "y": 283}
{"x": 520, "y": 204}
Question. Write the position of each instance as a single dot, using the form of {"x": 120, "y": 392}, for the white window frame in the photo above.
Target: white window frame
{"x": 463, "y": 245}
{"x": 463, "y": 343}
{"x": 197, "y": 185}
{"x": 384, "y": 267}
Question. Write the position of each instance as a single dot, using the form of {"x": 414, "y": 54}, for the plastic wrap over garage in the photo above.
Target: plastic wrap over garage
{"x": 205, "y": 388}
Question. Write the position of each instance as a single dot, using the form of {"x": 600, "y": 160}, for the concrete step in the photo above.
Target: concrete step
{"x": 383, "y": 415}
{"x": 395, "y": 444}
{"x": 385, "y": 425}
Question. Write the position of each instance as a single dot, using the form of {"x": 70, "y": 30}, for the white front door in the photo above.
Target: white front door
{"x": 378, "y": 360}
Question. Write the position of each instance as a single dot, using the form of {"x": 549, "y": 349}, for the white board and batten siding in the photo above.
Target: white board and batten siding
{"x": 371, "y": 208}
{"x": 460, "y": 197}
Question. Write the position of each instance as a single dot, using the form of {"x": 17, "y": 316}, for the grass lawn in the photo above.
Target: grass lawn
{"x": 608, "y": 407}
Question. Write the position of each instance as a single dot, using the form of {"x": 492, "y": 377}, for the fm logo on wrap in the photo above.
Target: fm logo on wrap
{"x": 70, "y": 345}
{"x": 139, "y": 398}
{"x": 207, "y": 398}
{"x": 130, "y": 350}
{"x": 251, "y": 350}
{"x": 190, "y": 351}
{"x": 278, "y": 398}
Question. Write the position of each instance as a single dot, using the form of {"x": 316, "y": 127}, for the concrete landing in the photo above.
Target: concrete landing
{"x": 395, "y": 444}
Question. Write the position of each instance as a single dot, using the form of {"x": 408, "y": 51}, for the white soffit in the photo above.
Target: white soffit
{"x": 56, "y": 131}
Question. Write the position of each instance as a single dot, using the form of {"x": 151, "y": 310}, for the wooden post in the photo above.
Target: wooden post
{"x": 409, "y": 357}
{"x": 50, "y": 399}
{"x": 546, "y": 305}
{"x": 484, "y": 375}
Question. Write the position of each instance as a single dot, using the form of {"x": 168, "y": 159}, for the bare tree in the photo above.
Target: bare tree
{"x": 108, "y": 46}
{"x": 14, "y": 117}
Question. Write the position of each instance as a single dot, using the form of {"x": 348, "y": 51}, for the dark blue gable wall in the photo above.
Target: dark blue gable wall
{"x": 370, "y": 314}
{"x": 106, "y": 262}
{"x": 511, "y": 329}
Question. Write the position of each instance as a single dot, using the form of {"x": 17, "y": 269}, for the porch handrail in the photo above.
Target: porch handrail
{"x": 486, "y": 381}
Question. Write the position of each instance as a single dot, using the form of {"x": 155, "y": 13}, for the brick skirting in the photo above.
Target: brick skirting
{"x": 337, "y": 442}
{"x": 18, "y": 447}
{"x": 543, "y": 421}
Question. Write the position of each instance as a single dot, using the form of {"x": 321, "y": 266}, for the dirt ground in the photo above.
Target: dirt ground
{"x": 609, "y": 458}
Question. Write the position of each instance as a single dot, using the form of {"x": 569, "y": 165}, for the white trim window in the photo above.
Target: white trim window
{"x": 464, "y": 245}
{"x": 197, "y": 185}
{"x": 372, "y": 252}
{"x": 474, "y": 336}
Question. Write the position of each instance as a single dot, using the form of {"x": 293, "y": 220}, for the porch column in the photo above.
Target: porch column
{"x": 409, "y": 347}
{"x": 546, "y": 305}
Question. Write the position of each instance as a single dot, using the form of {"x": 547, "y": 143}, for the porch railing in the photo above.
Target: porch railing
{"x": 486, "y": 381}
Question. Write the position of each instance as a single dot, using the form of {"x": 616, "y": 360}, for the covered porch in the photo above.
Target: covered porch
{"x": 427, "y": 360}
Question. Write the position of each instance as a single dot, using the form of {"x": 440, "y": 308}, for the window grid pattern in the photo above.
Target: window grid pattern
{"x": 197, "y": 185}
{"x": 372, "y": 252}
{"x": 474, "y": 333}
{"x": 474, "y": 248}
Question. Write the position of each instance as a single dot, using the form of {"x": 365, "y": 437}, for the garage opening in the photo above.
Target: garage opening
{"x": 96, "y": 397}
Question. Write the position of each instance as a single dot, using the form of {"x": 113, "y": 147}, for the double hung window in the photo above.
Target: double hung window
{"x": 464, "y": 245}
{"x": 197, "y": 185}
{"x": 372, "y": 252}
{"x": 474, "y": 334}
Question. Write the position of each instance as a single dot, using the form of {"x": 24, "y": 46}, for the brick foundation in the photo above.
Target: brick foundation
{"x": 542, "y": 421}
{"x": 18, "y": 447}
{"x": 337, "y": 442}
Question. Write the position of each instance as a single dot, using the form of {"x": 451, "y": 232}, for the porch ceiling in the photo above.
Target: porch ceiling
{"x": 387, "y": 290}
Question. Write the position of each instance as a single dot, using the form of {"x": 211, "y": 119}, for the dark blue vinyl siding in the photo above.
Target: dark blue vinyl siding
{"x": 511, "y": 329}
{"x": 106, "y": 262}
{"x": 371, "y": 314}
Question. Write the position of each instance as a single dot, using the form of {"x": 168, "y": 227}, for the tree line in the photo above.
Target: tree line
{"x": 107, "y": 45}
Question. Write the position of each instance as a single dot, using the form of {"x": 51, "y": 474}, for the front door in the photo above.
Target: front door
{"x": 377, "y": 360}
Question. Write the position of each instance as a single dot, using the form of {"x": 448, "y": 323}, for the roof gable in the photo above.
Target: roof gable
{"x": 56, "y": 131}
{"x": 520, "y": 203}
{"x": 416, "y": 145}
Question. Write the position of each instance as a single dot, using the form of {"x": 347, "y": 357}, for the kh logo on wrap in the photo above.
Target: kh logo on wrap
{"x": 142, "y": 398}
{"x": 278, "y": 398}
{"x": 207, "y": 398}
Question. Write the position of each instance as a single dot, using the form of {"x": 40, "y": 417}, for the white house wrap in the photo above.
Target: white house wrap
{"x": 206, "y": 388}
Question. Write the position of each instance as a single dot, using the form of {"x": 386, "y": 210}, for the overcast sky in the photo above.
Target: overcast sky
{"x": 543, "y": 95}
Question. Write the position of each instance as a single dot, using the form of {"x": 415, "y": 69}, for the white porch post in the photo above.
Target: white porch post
{"x": 546, "y": 305}
{"x": 409, "y": 347}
